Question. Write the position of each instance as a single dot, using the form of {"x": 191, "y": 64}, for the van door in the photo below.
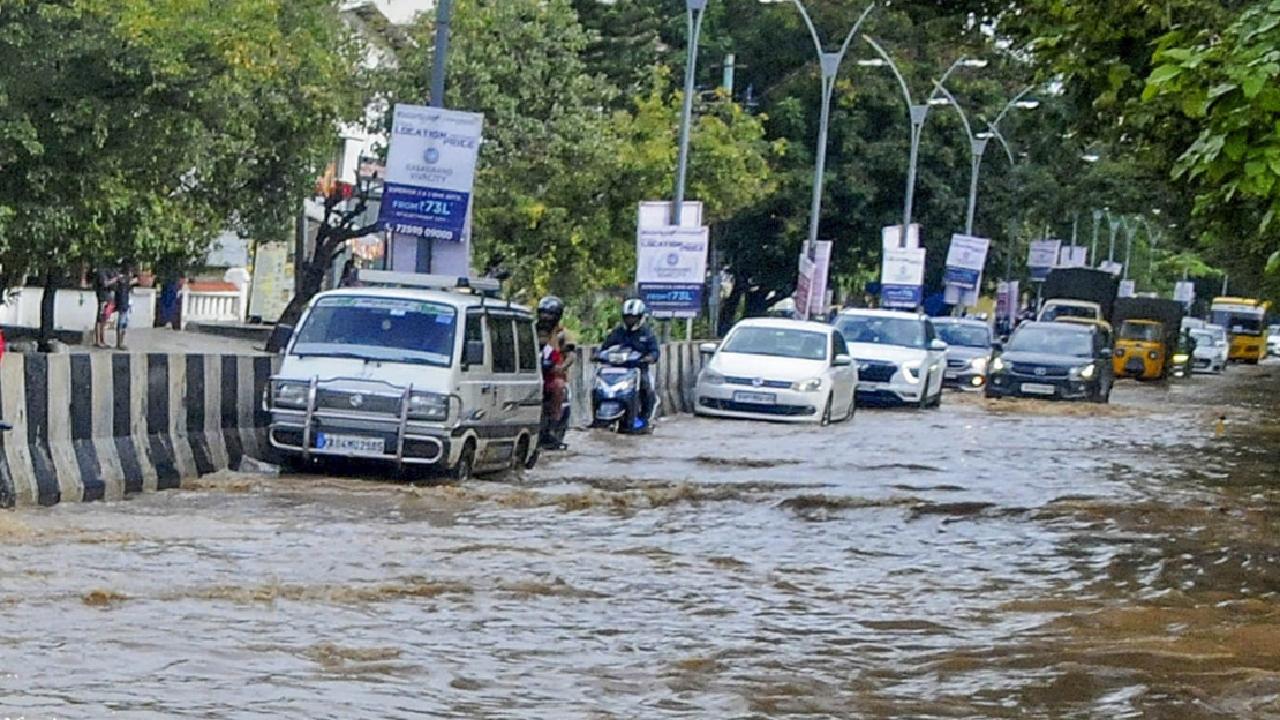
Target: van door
{"x": 529, "y": 388}
{"x": 500, "y": 429}
{"x": 476, "y": 385}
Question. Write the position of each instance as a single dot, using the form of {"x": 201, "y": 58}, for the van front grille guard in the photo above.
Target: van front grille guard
{"x": 402, "y": 427}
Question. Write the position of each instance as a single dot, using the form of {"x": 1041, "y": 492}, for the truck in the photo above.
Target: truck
{"x": 1147, "y": 336}
{"x": 1083, "y": 293}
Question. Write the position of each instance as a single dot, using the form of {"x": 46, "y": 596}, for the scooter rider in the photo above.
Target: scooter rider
{"x": 633, "y": 334}
{"x": 557, "y": 358}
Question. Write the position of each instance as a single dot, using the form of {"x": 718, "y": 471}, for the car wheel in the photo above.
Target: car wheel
{"x": 924, "y": 392}
{"x": 826, "y": 414}
{"x": 462, "y": 471}
{"x": 853, "y": 406}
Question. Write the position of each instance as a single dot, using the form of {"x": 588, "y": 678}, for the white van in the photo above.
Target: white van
{"x": 412, "y": 370}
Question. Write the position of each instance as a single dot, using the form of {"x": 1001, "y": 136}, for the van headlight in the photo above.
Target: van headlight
{"x": 1084, "y": 372}
{"x": 711, "y": 377}
{"x": 979, "y": 364}
{"x": 289, "y": 394}
{"x": 997, "y": 365}
{"x": 428, "y": 406}
{"x": 810, "y": 385}
{"x": 911, "y": 371}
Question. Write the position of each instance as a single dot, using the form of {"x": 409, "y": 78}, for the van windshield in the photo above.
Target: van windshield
{"x": 373, "y": 328}
{"x": 1140, "y": 331}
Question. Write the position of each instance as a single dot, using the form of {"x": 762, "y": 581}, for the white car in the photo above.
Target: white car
{"x": 1211, "y": 349}
{"x": 773, "y": 369}
{"x": 899, "y": 356}
{"x": 1273, "y": 340}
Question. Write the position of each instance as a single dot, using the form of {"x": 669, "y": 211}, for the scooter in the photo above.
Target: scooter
{"x": 615, "y": 394}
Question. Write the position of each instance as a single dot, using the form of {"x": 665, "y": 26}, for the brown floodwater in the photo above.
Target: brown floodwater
{"x": 986, "y": 560}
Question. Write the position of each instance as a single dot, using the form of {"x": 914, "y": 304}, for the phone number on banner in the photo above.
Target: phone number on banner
{"x": 422, "y": 232}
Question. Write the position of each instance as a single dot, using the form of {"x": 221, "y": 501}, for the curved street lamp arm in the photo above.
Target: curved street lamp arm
{"x": 964, "y": 119}
{"x": 995, "y": 132}
{"x": 813, "y": 31}
{"x": 1010, "y": 105}
{"x": 844, "y": 47}
{"x": 906, "y": 90}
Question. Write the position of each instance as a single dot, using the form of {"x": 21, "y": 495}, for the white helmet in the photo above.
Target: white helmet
{"x": 634, "y": 306}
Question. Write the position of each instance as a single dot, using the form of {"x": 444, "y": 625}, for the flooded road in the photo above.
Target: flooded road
{"x": 986, "y": 560}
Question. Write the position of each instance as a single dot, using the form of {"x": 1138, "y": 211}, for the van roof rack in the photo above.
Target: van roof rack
{"x": 484, "y": 287}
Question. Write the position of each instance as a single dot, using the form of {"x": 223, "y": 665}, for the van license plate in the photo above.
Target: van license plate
{"x": 755, "y": 398}
{"x": 353, "y": 444}
{"x": 1037, "y": 389}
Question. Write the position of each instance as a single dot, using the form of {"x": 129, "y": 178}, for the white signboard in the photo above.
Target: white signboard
{"x": 965, "y": 260}
{"x": 1128, "y": 288}
{"x": 431, "y": 168}
{"x": 1074, "y": 256}
{"x": 811, "y": 290}
{"x": 671, "y": 255}
{"x": 1114, "y": 268}
{"x": 657, "y": 213}
{"x": 1042, "y": 258}
{"x": 902, "y": 277}
{"x": 891, "y": 234}
{"x": 1184, "y": 291}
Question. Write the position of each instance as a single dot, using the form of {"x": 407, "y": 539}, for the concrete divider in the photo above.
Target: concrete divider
{"x": 97, "y": 426}
{"x": 100, "y": 426}
{"x": 676, "y": 376}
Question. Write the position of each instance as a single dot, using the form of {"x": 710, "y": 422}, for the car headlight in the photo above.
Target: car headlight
{"x": 1153, "y": 355}
{"x": 290, "y": 394}
{"x": 911, "y": 371}
{"x": 997, "y": 365}
{"x": 979, "y": 364}
{"x": 810, "y": 385}
{"x": 1084, "y": 372}
{"x": 1181, "y": 358}
{"x": 428, "y": 406}
{"x": 711, "y": 377}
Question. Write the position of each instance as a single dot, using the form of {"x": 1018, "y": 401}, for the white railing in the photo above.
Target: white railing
{"x": 213, "y": 307}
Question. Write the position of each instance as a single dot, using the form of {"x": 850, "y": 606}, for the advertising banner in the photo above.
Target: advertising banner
{"x": 1184, "y": 292}
{"x": 1077, "y": 256}
{"x": 1114, "y": 268}
{"x": 902, "y": 278}
{"x": 671, "y": 268}
{"x": 1128, "y": 288}
{"x": 890, "y": 234}
{"x": 431, "y": 167}
{"x": 804, "y": 287}
{"x": 1042, "y": 258}
{"x": 965, "y": 260}
{"x": 817, "y": 295}
{"x": 657, "y": 213}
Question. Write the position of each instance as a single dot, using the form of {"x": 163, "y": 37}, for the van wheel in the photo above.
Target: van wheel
{"x": 462, "y": 471}
{"x": 523, "y": 459}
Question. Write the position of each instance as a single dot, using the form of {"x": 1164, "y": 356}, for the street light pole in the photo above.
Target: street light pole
{"x": 919, "y": 113}
{"x": 695, "y": 10}
{"x": 444, "y": 19}
{"x": 1093, "y": 248}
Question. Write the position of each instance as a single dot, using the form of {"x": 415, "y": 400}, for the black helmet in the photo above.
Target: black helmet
{"x": 551, "y": 305}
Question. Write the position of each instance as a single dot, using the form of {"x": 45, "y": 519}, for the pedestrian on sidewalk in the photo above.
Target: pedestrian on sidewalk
{"x": 104, "y": 282}
{"x": 125, "y": 283}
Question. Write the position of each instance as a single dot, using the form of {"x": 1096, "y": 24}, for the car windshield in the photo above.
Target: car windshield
{"x": 1142, "y": 332}
{"x": 1051, "y": 341}
{"x": 1204, "y": 337}
{"x": 372, "y": 328}
{"x": 879, "y": 330}
{"x": 778, "y": 342}
{"x": 964, "y": 335}
{"x": 1054, "y": 312}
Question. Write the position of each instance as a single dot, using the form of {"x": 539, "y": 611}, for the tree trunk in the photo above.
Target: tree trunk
{"x": 310, "y": 283}
{"x": 47, "y": 305}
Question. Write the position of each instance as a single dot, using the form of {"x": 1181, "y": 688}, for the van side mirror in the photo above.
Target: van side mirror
{"x": 937, "y": 345}
{"x": 708, "y": 348}
{"x": 842, "y": 360}
{"x": 473, "y": 353}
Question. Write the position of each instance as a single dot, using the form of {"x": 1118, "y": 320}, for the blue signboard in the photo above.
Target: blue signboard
{"x": 674, "y": 300}
{"x": 964, "y": 277}
{"x": 424, "y": 212}
{"x": 901, "y": 296}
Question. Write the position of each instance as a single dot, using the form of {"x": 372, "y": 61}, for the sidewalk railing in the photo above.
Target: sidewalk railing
{"x": 213, "y": 306}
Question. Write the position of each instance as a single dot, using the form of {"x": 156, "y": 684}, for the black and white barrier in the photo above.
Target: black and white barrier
{"x": 98, "y": 426}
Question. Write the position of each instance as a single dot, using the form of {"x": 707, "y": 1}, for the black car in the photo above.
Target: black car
{"x": 1066, "y": 361}
{"x": 969, "y": 347}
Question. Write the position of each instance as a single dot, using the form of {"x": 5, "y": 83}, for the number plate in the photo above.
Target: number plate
{"x": 353, "y": 444}
{"x": 755, "y": 398}
{"x": 1037, "y": 389}
{"x": 950, "y": 375}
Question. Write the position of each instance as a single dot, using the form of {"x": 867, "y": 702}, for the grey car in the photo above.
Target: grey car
{"x": 969, "y": 344}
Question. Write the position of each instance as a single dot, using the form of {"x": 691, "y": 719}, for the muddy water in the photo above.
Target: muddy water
{"x": 981, "y": 561}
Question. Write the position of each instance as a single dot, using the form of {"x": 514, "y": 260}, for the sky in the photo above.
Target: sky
{"x": 403, "y": 10}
